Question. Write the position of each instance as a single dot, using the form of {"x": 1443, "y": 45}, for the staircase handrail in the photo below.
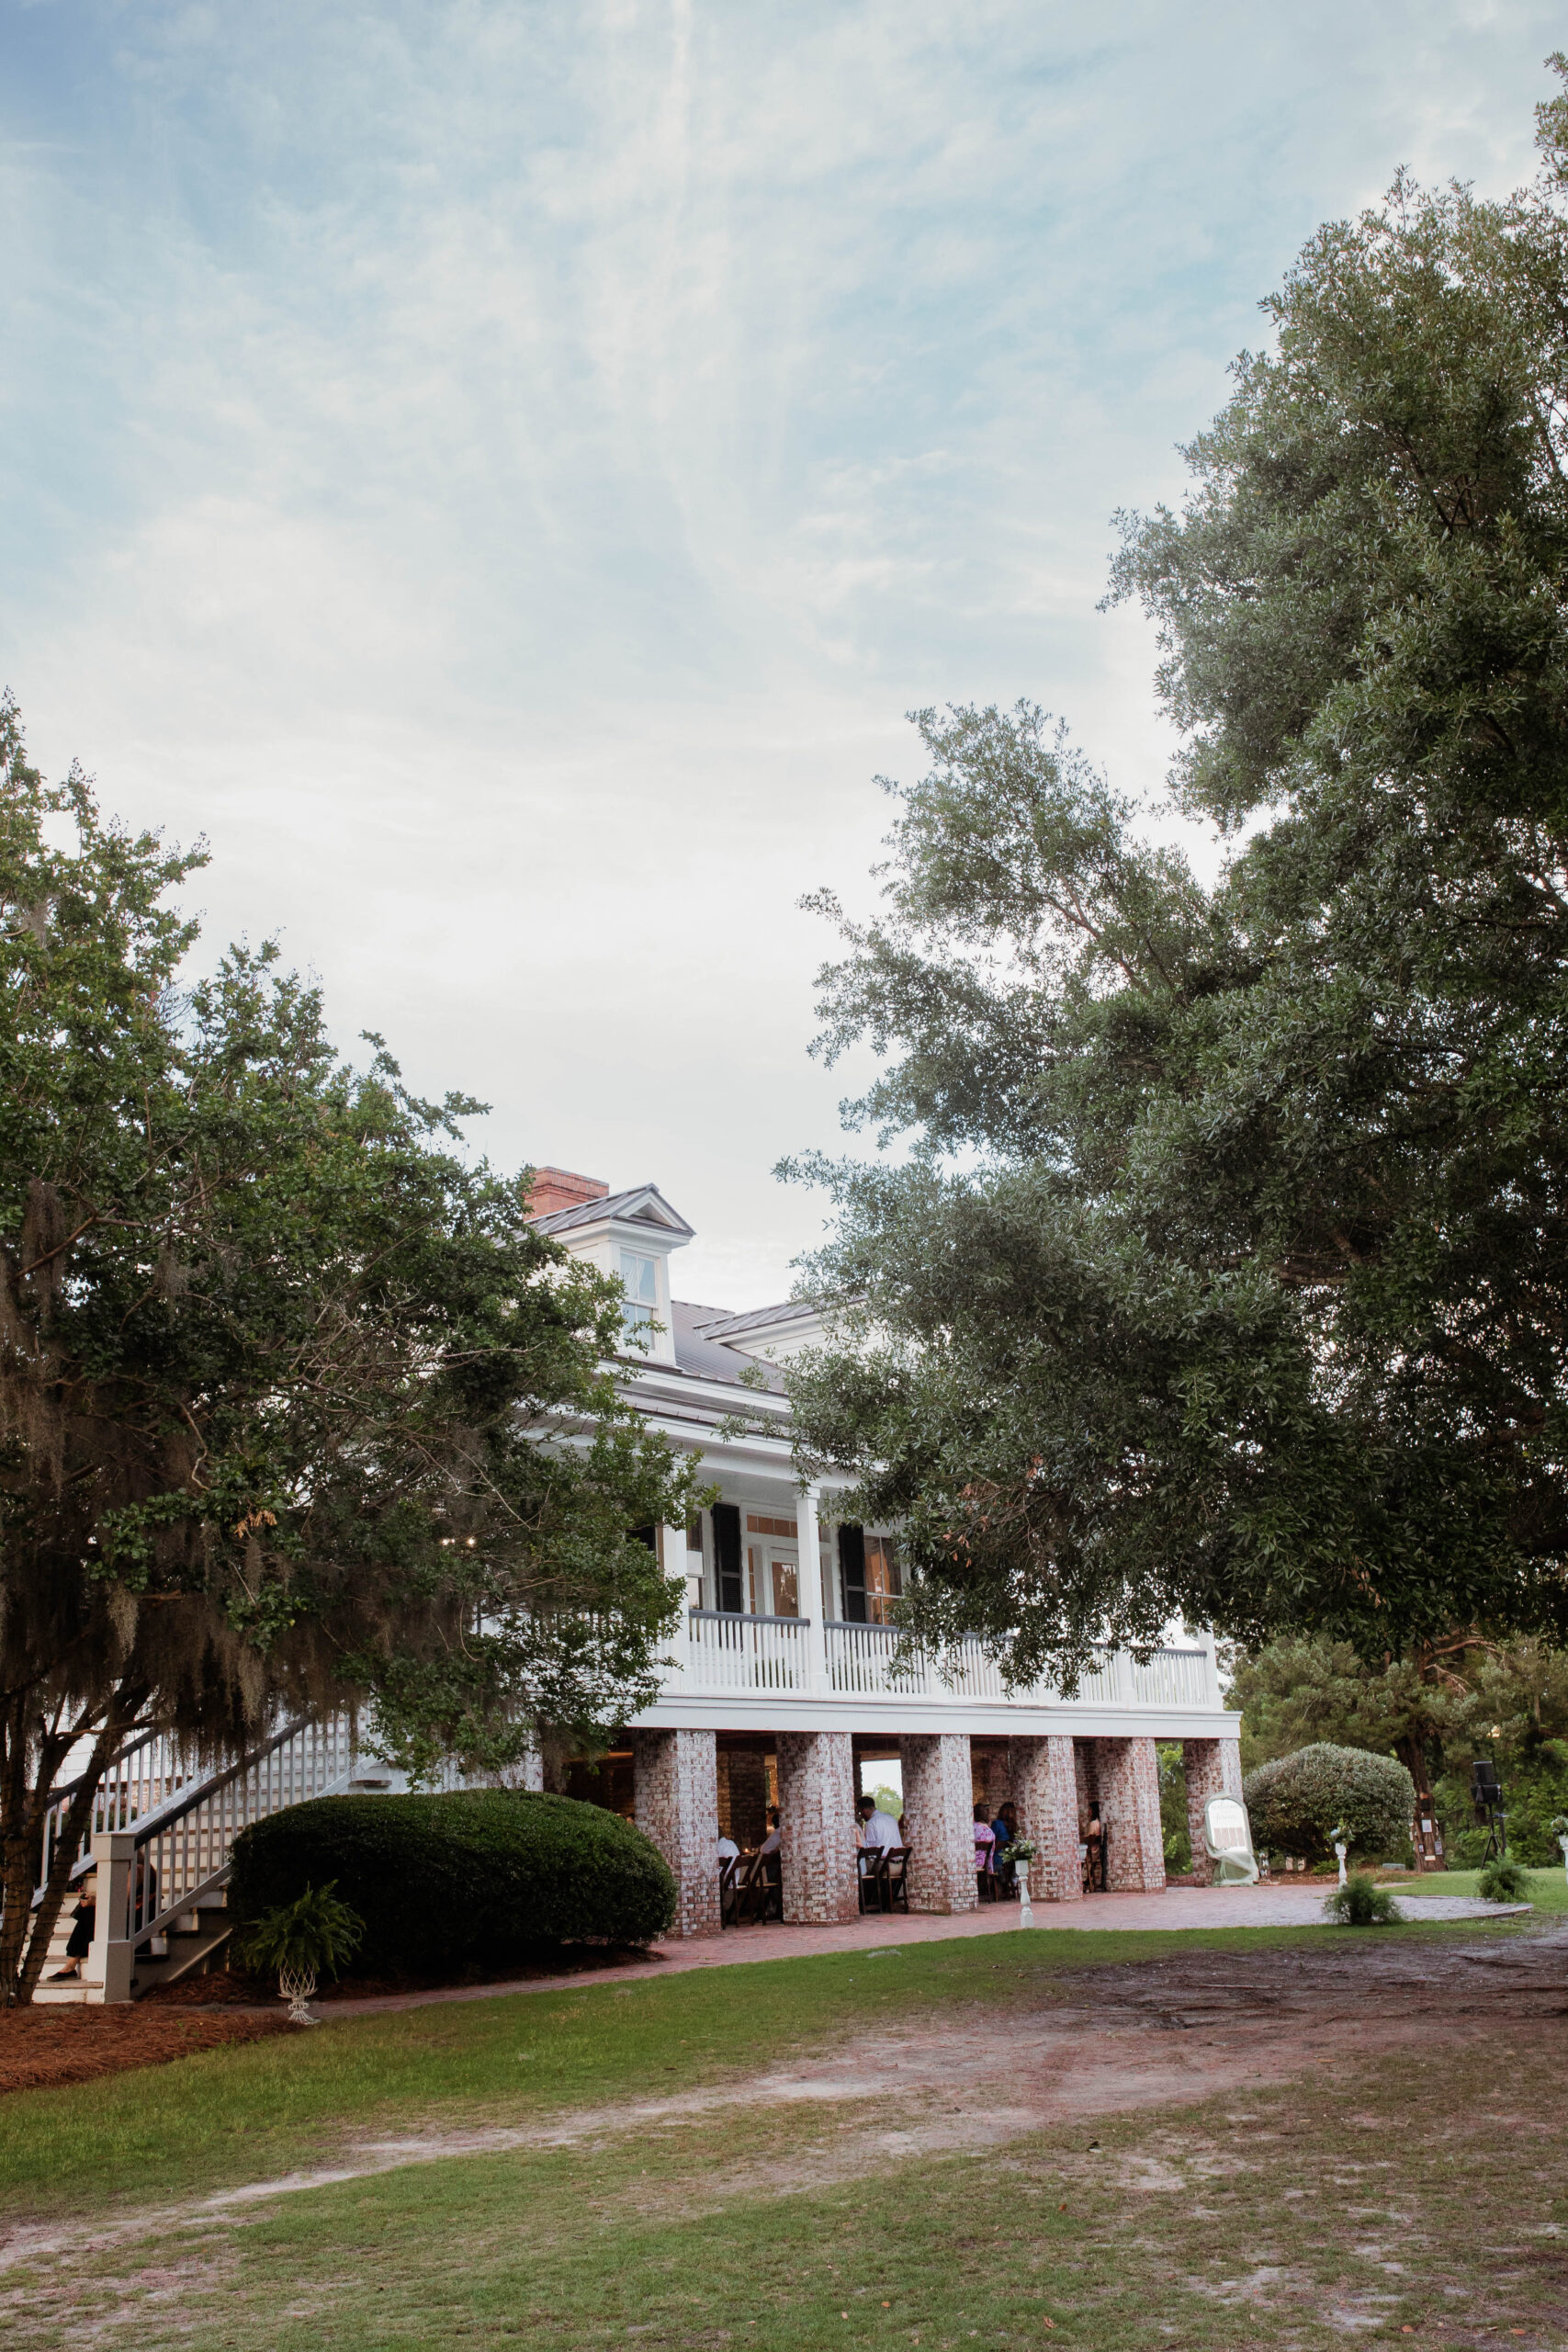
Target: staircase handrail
{"x": 158, "y": 1818}
{"x": 132, "y": 1747}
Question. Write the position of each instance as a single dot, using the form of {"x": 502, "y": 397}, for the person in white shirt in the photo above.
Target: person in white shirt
{"x": 876, "y": 1828}
{"x": 728, "y": 1851}
{"x": 773, "y": 1840}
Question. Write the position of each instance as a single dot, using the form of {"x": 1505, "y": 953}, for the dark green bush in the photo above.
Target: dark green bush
{"x": 1503, "y": 1882}
{"x": 1296, "y": 1801}
{"x": 1362, "y": 1903}
{"x": 481, "y": 1875}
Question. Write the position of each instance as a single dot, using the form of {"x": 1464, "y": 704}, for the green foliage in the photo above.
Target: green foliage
{"x": 315, "y": 1933}
{"x": 1504, "y": 1880}
{"x": 1226, "y": 1275}
{"x": 280, "y": 1371}
{"x": 1175, "y": 1834}
{"x": 1437, "y": 1708}
{"x": 1297, "y": 1801}
{"x": 1362, "y": 1903}
{"x": 484, "y": 1875}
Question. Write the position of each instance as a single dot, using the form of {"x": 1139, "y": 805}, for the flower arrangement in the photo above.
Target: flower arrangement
{"x": 1018, "y": 1851}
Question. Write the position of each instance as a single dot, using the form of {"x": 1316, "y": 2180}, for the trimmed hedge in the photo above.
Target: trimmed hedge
{"x": 486, "y": 1875}
{"x": 1296, "y": 1801}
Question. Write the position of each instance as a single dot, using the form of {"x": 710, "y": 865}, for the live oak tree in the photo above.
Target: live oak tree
{"x": 1227, "y": 1272}
{"x": 297, "y": 1410}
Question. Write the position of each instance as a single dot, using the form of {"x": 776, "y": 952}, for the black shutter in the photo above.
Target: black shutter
{"x": 727, "y": 1556}
{"x": 852, "y": 1567}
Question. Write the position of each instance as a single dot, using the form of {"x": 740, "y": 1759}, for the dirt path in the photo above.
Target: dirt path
{"x": 1147, "y": 2034}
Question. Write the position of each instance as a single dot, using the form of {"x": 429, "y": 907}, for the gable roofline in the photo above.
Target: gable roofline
{"x": 642, "y": 1205}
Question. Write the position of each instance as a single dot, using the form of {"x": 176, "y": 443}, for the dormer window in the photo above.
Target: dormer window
{"x": 640, "y": 1280}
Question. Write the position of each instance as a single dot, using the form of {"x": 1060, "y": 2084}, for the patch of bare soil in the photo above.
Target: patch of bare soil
{"x": 43, "y": 2049}
{"x": 1147, "y": 2034}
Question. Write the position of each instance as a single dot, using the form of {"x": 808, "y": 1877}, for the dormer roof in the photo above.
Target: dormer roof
{"x": 642, "y": 1205}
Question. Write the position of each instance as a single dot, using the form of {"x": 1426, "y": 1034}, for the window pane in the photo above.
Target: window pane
{"x": 640, "y": 1277}
{"x": 786, "y": 1589}
{"x": 637, "y": 1325}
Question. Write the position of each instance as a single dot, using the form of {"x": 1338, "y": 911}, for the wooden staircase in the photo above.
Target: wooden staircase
{"x": 161, "y": 1843}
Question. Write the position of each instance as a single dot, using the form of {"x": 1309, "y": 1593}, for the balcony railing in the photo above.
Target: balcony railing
{"x": 728, "y": 1651}
{"x": 731, "y": 1652}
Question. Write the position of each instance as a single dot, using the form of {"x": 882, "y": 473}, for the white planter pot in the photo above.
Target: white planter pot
{"x": 296, "y": 1986}
{"x": 1340, "y": 1852}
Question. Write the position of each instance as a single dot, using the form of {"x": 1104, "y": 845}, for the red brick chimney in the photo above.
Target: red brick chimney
{"x": 557, "y": 1188}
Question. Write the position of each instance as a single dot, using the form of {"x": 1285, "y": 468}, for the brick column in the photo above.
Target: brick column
{"x": 816, "y": 1803}
{"x": 1045, "y": 1790}
{"x": 1127, "y": 1772}
{"x": 676, "y": 1801}
{"x": 995, "y": 1769}
{"x": 1213, "y": 1769}
{"x": 939, "y": 1816}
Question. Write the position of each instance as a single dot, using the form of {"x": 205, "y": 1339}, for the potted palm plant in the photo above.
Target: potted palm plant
{"x": 302, "y": 1942}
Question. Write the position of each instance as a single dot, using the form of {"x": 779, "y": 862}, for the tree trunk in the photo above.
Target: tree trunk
{"x": 25, "y": 1933}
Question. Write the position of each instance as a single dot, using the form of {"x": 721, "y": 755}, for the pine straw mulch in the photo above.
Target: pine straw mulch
{"x": 40, "y": 2048}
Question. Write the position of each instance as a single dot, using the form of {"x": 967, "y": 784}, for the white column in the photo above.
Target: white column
{"x": 811, "y": 1589}
{"x": 672, "y": 1560}
{"x": 110, "y": 1962}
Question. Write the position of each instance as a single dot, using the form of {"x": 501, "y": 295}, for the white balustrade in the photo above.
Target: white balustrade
{"x": 186, "y": 1851}
{"x": 739, "y": 1653}
{"x": 732, "y": 1653}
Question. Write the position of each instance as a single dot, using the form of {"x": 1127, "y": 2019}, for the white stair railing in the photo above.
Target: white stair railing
{"x": 177, "y": 1855}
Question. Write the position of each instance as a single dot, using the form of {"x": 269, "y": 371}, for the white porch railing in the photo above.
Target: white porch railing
{"x": 732, "y": 1653}
{"x": 726, "y": 1652}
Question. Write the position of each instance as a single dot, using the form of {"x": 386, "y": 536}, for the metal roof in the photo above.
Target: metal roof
{"x": 696, "y": 1352}
{"x": 756, "y": 1318}
{"x": 642, "y": 1204}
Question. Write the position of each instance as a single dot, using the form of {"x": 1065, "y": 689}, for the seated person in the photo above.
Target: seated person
{"x": 985, "y": 1841}
{"x": 82, "y": 1927}
{"x": 728, "y": 1851}
{"x": 773, "y": 1843}
{"x": 874, "y": 1827}
{"x": 1094, "y": 1861}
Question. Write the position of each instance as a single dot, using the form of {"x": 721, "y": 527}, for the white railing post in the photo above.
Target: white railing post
{"x": 810, "y": 1602}
{"x": 112, "y": 1958}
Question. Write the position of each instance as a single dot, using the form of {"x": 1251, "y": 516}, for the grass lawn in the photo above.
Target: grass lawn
{"x": 249, "y": 2114}
{"x": 1547, "y": 1890}
{"x": 1403, "y": 2199}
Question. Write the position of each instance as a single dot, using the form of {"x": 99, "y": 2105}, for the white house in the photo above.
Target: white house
{"x": 784, "y": 1680}
{"x": 784, "y": 1683}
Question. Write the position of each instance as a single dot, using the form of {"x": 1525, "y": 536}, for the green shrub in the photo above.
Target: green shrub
{"x": 1294, "y": 1802}
{"x": 480, "y": 1875}
{"x": 315, "y": 1935}
{"x": 1362, "y": 1903}
{"x": 1503, "y": 1882}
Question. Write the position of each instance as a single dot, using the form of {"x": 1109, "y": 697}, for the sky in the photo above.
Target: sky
{"x": 502, "y": 474}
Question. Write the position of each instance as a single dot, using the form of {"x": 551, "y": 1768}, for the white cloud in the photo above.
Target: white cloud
{"x": 502, "y": 471}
